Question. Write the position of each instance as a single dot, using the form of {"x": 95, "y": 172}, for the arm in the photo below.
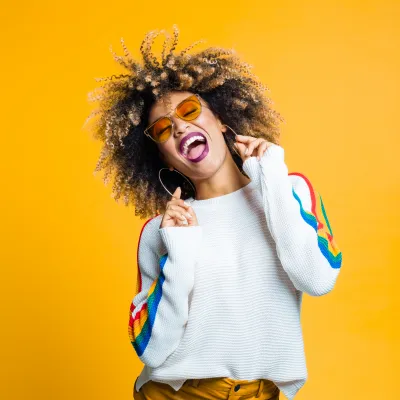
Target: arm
{"x": 298, "y": 222}
{"x": 159, "y": 311}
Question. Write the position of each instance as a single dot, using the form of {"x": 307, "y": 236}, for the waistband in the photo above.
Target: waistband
{"x": 239, "y": 387}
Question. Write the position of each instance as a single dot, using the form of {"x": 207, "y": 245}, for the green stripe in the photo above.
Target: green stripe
{"x": 325, "y": 216}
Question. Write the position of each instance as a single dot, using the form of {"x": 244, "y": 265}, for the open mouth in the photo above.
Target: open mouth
{"x": 194, "y": 146}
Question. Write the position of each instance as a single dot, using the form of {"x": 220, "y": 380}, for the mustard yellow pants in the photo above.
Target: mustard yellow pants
{"x": 209, "y": 389}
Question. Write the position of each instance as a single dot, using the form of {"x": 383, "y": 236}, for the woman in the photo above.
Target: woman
{"x": 231, "y": 241}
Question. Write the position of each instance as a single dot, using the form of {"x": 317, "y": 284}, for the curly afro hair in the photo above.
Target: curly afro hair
{"x": 216, "y": 74}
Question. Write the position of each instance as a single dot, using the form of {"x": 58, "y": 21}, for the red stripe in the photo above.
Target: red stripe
{"x": 144, "y": 307}
{"x": 313, "y": 197}
{"x": 137, "y": 259}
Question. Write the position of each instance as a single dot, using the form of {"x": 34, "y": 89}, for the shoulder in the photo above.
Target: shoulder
{"x": 300, "y": 180}
{"x": 149, "y": 233}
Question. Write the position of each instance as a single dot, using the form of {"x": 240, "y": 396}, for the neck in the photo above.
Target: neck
{"x": 226, "y": 180}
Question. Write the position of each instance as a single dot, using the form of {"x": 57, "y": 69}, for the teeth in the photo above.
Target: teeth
{"x": 191, "y": 140}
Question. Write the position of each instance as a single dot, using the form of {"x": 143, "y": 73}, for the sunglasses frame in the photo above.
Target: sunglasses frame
{"x": 174, "y": 112}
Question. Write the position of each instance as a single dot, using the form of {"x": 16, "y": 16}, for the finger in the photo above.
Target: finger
{"x": 241, "y": 149}
{"x": 182, "y": 210}
{"x": 177, "y": 194}
{"x": 261, "y": 149}
{"x": 179, "y": 202}
{"x": 245, "y": 139}
{"x": 182, "y": 222}
{"x": 193, "y": 220}
{"x": 179, "y": 218}
{"x": 252, "y": 146}
{"x": 176, "y": 198}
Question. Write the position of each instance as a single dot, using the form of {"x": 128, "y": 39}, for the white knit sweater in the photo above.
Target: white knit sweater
{"x": 223, "y": 299}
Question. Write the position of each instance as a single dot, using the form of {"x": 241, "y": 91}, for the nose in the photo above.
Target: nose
{"x": 180, "y": 126}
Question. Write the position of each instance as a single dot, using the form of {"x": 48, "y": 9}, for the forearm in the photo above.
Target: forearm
{"x": 157, "y": 322}
{"x": 304, "y": 243}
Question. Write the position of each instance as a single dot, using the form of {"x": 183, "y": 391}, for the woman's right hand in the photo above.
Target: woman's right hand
{"x": 177, "y": 213}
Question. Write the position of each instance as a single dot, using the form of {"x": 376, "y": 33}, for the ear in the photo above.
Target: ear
{"x": 221, "y": 126}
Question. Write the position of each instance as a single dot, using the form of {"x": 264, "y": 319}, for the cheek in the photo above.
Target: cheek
{"x": 208, "y": 123}
{"x": 168, "y": 151}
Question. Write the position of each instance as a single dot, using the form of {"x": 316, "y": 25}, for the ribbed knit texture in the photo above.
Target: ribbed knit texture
{"x": 223, "y": 299}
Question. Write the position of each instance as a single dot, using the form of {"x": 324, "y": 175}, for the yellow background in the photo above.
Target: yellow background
{"x": 69, "y": 250}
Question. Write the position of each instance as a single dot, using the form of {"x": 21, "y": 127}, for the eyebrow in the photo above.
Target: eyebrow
{"x": 171, "y": 112}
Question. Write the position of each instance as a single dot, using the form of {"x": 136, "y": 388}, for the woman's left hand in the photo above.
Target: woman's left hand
{"x": 249, "y": 146}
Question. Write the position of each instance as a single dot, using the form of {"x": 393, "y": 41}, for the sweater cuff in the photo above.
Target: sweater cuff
{"x": 274, "y": 154}
{"x": 182, "y": 243}
{"x": 273, "y": 161}
{"x": 271, "y": 165}
{"x": 252, "y": 168}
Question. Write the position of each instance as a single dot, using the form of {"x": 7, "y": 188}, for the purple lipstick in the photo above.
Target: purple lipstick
{"x": 194, "y": 146}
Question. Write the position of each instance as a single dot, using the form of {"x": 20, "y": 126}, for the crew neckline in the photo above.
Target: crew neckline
{"x": 223, "y": 199}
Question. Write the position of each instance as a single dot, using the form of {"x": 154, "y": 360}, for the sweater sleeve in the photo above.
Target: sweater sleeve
{"x": 298, "y": 222}
{"x": 159, "y": 311}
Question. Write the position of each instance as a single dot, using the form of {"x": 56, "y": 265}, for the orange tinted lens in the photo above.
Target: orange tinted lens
{"x": 161, "y": 130}
{"x": 189, "y": 109}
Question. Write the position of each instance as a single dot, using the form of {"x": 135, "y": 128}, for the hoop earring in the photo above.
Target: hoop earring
{"x": 235, "y": 136}
{"x": 159, "y": 178}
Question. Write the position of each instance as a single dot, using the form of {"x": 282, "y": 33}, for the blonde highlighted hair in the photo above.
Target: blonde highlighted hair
{"x": 129, "y": 157}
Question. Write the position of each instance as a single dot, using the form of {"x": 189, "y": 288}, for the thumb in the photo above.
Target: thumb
{"x": 177, "y": 193}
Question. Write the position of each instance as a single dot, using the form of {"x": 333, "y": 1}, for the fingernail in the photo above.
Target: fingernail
{"x": 189, "y": 216}
{"x": 246, "y": 151}
{"x": 186, "y": 204}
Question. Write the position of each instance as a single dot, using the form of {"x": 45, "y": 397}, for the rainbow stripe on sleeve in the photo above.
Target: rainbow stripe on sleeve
{"x": 318, "y": 219}
{"x": 140, "y": 327}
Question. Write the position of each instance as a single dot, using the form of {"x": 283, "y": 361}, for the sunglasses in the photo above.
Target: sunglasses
{"x": 188, "y": 110}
